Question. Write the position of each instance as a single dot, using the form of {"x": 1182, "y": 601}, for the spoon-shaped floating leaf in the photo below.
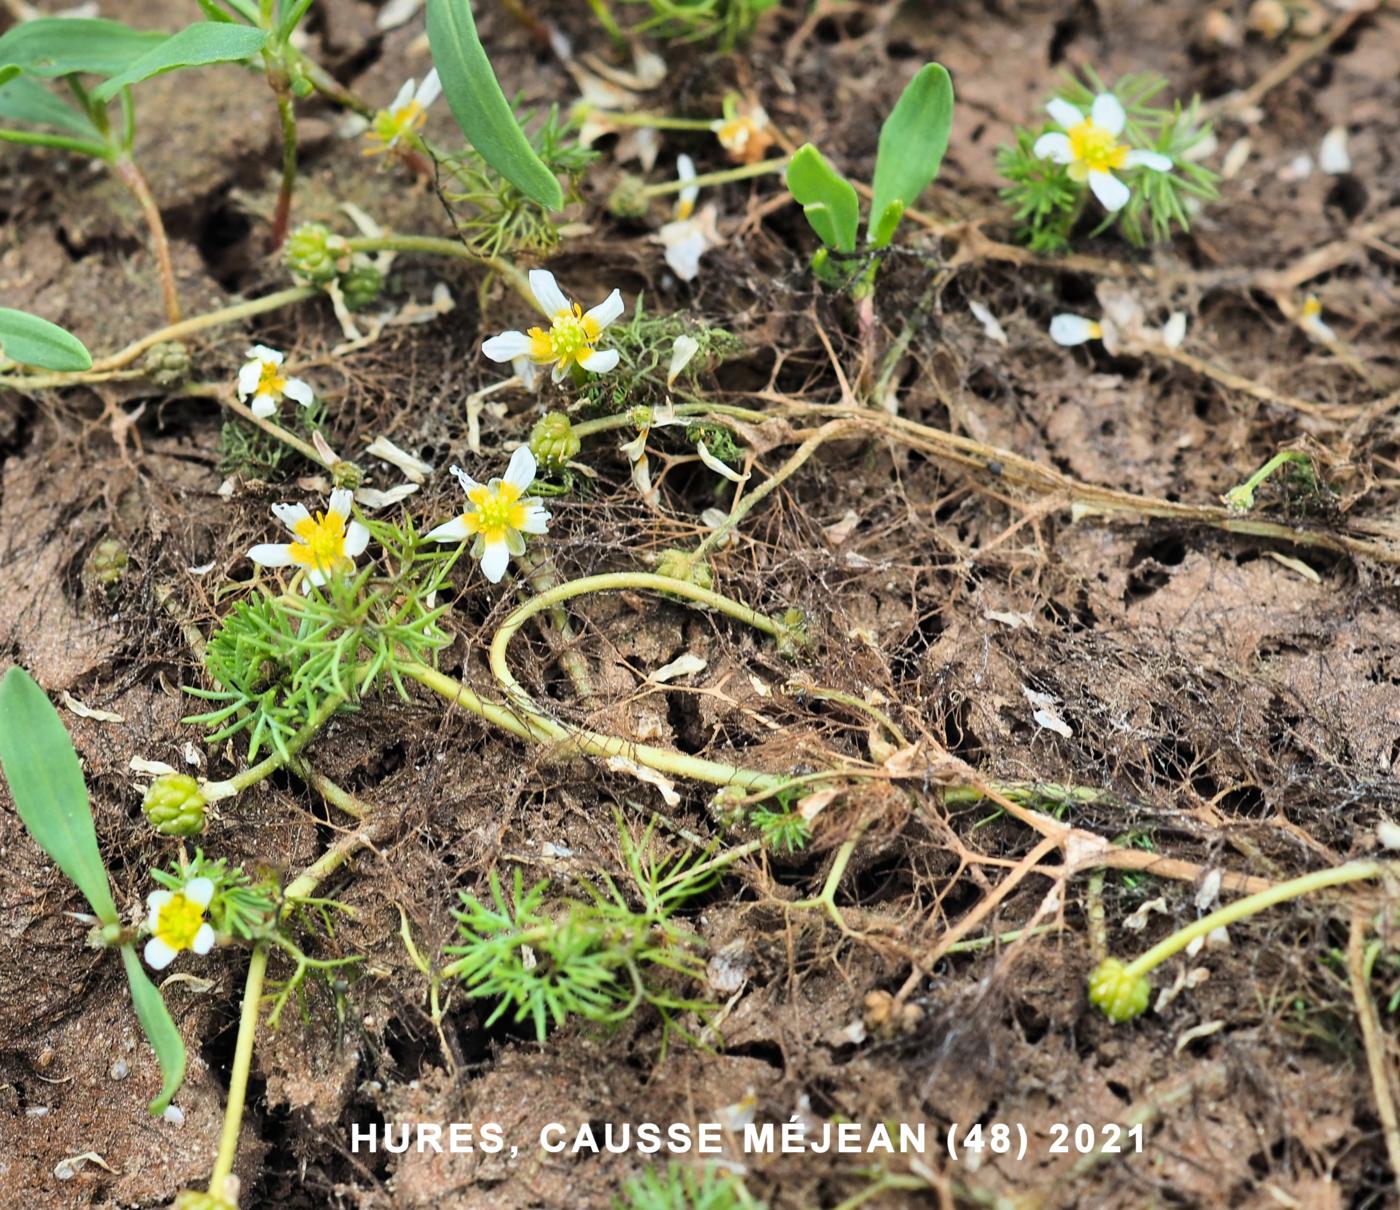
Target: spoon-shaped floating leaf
{"x": 827, "y": 198}
{"x": 47, "y": 785}
{"x": 912, "y": 143}
{"x": 479, "y": 105}
{"x": 196, "y": 45}
{"x": 32, "y": 341}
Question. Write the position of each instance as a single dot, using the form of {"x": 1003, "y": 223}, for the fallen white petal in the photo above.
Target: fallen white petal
{"x": 990, "y": 324}
{"x": 82, "y": 711}
{"x": 385, "y": 450}
{"x": 1332, "y": 156}
{"x": 687, "y": 664}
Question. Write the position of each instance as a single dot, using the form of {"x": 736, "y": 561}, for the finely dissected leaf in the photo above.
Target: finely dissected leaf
{"x": 912, "y": 142}
{"x": 47, "y": 785}
{"x": 194, "y": 46}
{"x": 827, "y": 198}
{"x": 31, "y": 104}
{"x": 479, "y": 105}
{"x": 32, "y": 341}
{"x": 60, "y": 46}
{"x": 160, "y": 1030}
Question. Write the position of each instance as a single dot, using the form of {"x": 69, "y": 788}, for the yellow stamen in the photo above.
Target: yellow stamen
{"x": 271, "y": 380}
{"x": 570, "y": 338}
{"x": 1094, "y": 149}
{"x": 390, "y": 125}
{"x": 498, "y": 510}
{"x": 178, "y": 922}
{"x": 321, "y": 543}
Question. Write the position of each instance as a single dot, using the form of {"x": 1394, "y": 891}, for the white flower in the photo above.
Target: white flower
{"x": 405, "y": 116}
{"x": 261, "y": 379}
{"x": 1311, "y": 321}
{"x": 499, "y": 517}
{"x": 326, "y": 544}
{"x": 176, "y": 921}
{"x": 1074, "y": 330}
{"x": 687, "y": 240}
{"x": 573, "y": 333}
{"x": 1091, "y": 150}
{"x": 1174, "y": 330}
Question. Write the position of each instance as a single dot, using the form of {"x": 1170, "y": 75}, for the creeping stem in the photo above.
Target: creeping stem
{"x": 131, "y": 176}
{"x": 238, "y": 1074}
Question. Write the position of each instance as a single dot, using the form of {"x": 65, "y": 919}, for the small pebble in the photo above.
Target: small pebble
{"x": 37, "y": 1111}
{"x": 119, "y": 1070}
{"x": 174, "y": 1115}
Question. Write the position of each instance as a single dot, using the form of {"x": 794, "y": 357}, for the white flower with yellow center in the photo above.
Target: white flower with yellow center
{"x": 405, "y": 116}
{"x": 1070, "y": 330}
{"x": 176, "y": 922}
{"x": 1090, "y": 149}
{"x": 326, "y": 544}
{"x": 499, "y": 517}
{"x": 745, "y": 134}
{"x": 263, "y": 381}
{"x": 573, "y": 333}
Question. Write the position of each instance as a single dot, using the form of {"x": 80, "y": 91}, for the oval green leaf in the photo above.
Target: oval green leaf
{"x": 159, "y": 1029}
{"x": 913, "y": 141}
{"x": 32, "y": 341}
{"x": 47, "y": 785}
{"x": 479, "y": 105}
{"x": 30, "y": 103}
{"x": 196, "y": 45}
{"x": 827, "y": 198}
{"x": 62, "y": 46}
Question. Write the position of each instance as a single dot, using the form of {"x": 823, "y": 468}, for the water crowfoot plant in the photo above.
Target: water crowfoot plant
{"x": 499, "y": 518}
{"x": 571, "y": 342}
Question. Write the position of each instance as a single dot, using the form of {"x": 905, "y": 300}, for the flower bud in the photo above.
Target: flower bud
{"x": 1120, "y": 996}
{"x": 360, "y": 285}
{"x": 315, "y": 254}
{"x": 107, "y": 563}
{"x": 175, "y": 805}
{"x": 682, "y": 565}
{"x": 167, "y": 364}
{"x": 628, "y": 198}
{"x": 552, "y": 441}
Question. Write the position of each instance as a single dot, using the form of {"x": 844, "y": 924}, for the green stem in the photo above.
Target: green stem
{"x": 1250, "y": 905}
{"x": 1242, "y": 496}
{"x": 722, "y": 176}
{"x": 855, "y": 703}
{"x": 622, "y": 420}
{"x": 238, "y": 1076}
{"x": 131, "y": 176}
{"x": 436, "y": 246}
{"x": 29, "y": 138}
{"x": 269, "y": 765}
{"x": 271, "y": 427}
{"x": 656, "y": 121}
{"x": 287, "y": 119}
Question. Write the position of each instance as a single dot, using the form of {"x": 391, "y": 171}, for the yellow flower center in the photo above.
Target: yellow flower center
{"x": 571, "y": 336}
{"x": 271, "y": 381}
{"x": 734, "y": 135}
{"x": 1094, "y": 148}
{"x": 390, "y": 125}
{"x": 498, "y": 510}
{"x": 320, "y": 543}
{"x": 178, "y": 922}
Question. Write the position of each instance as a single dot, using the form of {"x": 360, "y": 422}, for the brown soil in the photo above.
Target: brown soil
{"x": 1241, "y": 712}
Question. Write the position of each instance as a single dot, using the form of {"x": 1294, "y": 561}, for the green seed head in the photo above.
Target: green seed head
{"x": 167, "y": 364}
{"x": 628, "y": 199}
{"x": 1120, "y": 996}
{"x": 175, "y": 805}
{"x": 552, "y": 441}
{"x": 346, "y": 474}
{"x": 316, "y": 255}
{"x": 107, "y": 563}
{"x": 361, "y": 286}
{"x": 682, "y": 565}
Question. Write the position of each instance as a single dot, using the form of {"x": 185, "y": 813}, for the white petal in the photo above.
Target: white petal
{"x": 521, "y": 471}
{"x": 341, "y": 500}
{"x": 1174, "y": 330}
{"x": 429, "y": 90}
{"x": 316, "y": 576}
{"x": 556, "y": 375}
{"x": 527, "y": 371}
{"x": 507, "y": 346}
{"x": 1108, "y": 113}
{"x": 685, "y": 200}
{"x": 154, "y": 902}
{"x": 1109, "y": 190}
{"x": 536, "y": 520}
{"x": 682, "y": 351}
{"x": 270, "y": 554}
{"x": 641, "y": 478}
{"x": 600, "y": 361}
{"x": 262, "y": 353}
{"x": 291, "y": 515}
{"x": 547, "y": 293}
{"x": 464, "y": 479}
{"x": 607, "y": 310}
{"x": 1332, "y": 156}
{"x": 158, "y": 954}
{"x": 404, "y": 97}
{"x": 684, "y": 257}
{"x": 264, "y": 406}
{"x": 248, "y": 378}
{"x": 203, "y": 939}
{"x": 449, "y": 531}
{"x": 1148, "y": 159}
{"x": 356, "y": 539}
{"x": 636, "y": 448}
{"x": 494, "y": 561}
{"x": 1073, "y": 330}
{"x": 1062, "y": 113}
{"x": 299, "y": 392}
{"x": 716, "y": 465}
{"x": 199, "y": 890}
{"x": 1053, "y": 146}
